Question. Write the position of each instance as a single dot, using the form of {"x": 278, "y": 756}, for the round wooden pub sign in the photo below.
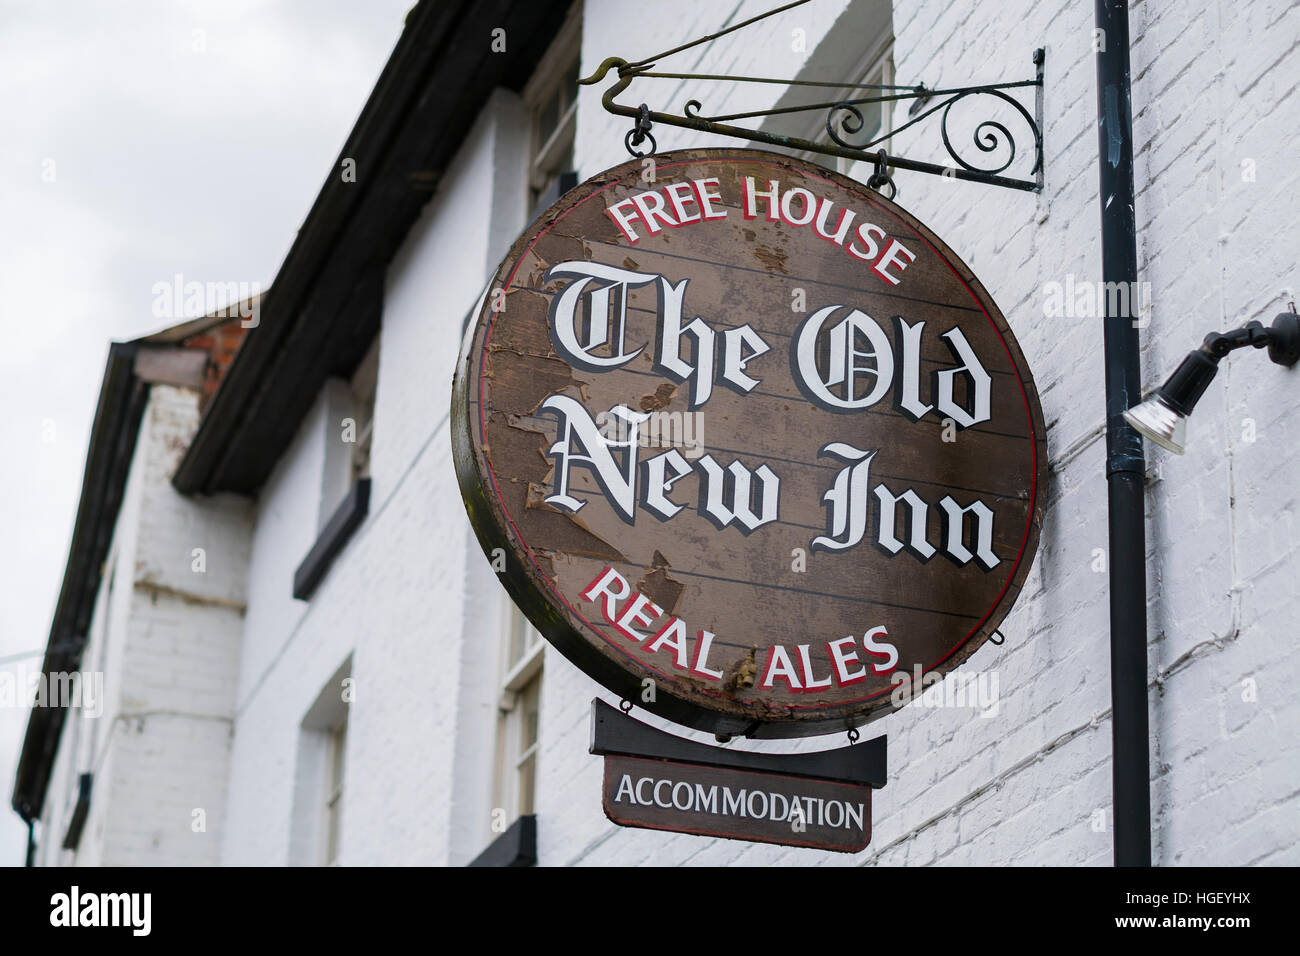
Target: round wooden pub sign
{"x": 748, "y": 443}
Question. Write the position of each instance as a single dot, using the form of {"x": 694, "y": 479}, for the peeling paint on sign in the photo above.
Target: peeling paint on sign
{"x": 754, "y": 433}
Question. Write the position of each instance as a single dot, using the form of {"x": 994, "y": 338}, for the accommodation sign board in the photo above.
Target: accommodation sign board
{"x": 750, "y": 805}
{"x": 748, "y": 443}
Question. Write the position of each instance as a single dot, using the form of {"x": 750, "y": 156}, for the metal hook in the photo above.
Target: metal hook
{"x": 625, "y": 705}
{"x": 998, "y": 634}
{"x": 880, "y": 178}
{"x": 639, "y": 133}
{"x": 853, "y": 735}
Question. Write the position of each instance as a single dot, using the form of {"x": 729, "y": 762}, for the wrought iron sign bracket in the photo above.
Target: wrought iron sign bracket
{"x": 844, "y": 119}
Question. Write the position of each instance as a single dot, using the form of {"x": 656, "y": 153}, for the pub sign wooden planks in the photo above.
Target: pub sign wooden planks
{"x": 748, "y": 443}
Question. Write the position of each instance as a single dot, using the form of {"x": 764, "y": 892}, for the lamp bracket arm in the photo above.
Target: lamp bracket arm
{"x": 1282, "y": 339}
{"x": 1219, "y": 344}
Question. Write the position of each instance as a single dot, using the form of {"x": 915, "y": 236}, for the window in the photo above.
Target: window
{"x": 362, "y": 387}
{"x": 320, "y": 774}
{"x": 519, "y": 713}
{"x": 877, "y": 69}
{"x": 337, "y": 746}
{"x": 552, "y": 100}
{"x": 349, "y": 412}
{"x": 350, "y": 415}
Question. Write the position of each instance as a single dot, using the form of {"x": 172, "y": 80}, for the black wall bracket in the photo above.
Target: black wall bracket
{"x": 991, "y": 137}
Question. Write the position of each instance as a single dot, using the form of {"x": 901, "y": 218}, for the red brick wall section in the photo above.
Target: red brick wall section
{"x": 221, "y": 343}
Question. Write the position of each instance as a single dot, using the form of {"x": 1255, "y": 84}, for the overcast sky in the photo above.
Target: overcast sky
{"x": 139, "y": 140}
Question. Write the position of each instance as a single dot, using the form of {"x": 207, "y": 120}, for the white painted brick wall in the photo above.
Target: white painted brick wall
{"x": 167, "y": 642}
{"x": 1022, "y": 787}
{"x": 396, "y": 596}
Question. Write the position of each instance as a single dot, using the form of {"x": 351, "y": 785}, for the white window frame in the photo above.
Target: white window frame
{"x": 516, "y": 681}
{"x": 333, "y": 788}
{"x": 551, "y": 75}
{"x": 876, "y": 68}
{"x": 364, "y": 386}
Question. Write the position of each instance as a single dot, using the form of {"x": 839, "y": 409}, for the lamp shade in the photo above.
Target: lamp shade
{"x": 1158, "y": 421}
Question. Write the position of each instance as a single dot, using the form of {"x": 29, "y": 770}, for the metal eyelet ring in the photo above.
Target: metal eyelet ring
{"x": 881, "y": 178}
{"x": 634, "y": 138}
{"x": 639, "y": 133}
{"x": 625, "y": 705}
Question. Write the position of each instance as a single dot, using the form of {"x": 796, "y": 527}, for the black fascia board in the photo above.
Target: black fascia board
{"x": 614, "y": 733}
{"x": 113, "y": 435}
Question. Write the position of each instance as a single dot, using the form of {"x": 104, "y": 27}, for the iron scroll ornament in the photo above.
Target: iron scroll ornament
{"x": 989, "y": 135}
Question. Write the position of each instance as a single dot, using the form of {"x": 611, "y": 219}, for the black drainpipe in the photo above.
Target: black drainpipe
{"x": 1125, "y": 468}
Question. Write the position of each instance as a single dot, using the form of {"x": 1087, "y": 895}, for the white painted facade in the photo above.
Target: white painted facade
{"x": 165, "y": 637}
{"x": 411, "y": 613}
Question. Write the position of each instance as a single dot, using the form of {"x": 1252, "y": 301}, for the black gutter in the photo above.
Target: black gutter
{"x": 122, "y": 399}
{"x": 1125, "y": 466}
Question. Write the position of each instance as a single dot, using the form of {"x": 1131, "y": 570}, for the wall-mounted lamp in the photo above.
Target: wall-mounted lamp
{"x": 1163, "y": 417}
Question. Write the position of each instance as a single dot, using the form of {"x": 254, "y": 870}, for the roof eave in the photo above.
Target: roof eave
{"x": 122, "y": 398}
